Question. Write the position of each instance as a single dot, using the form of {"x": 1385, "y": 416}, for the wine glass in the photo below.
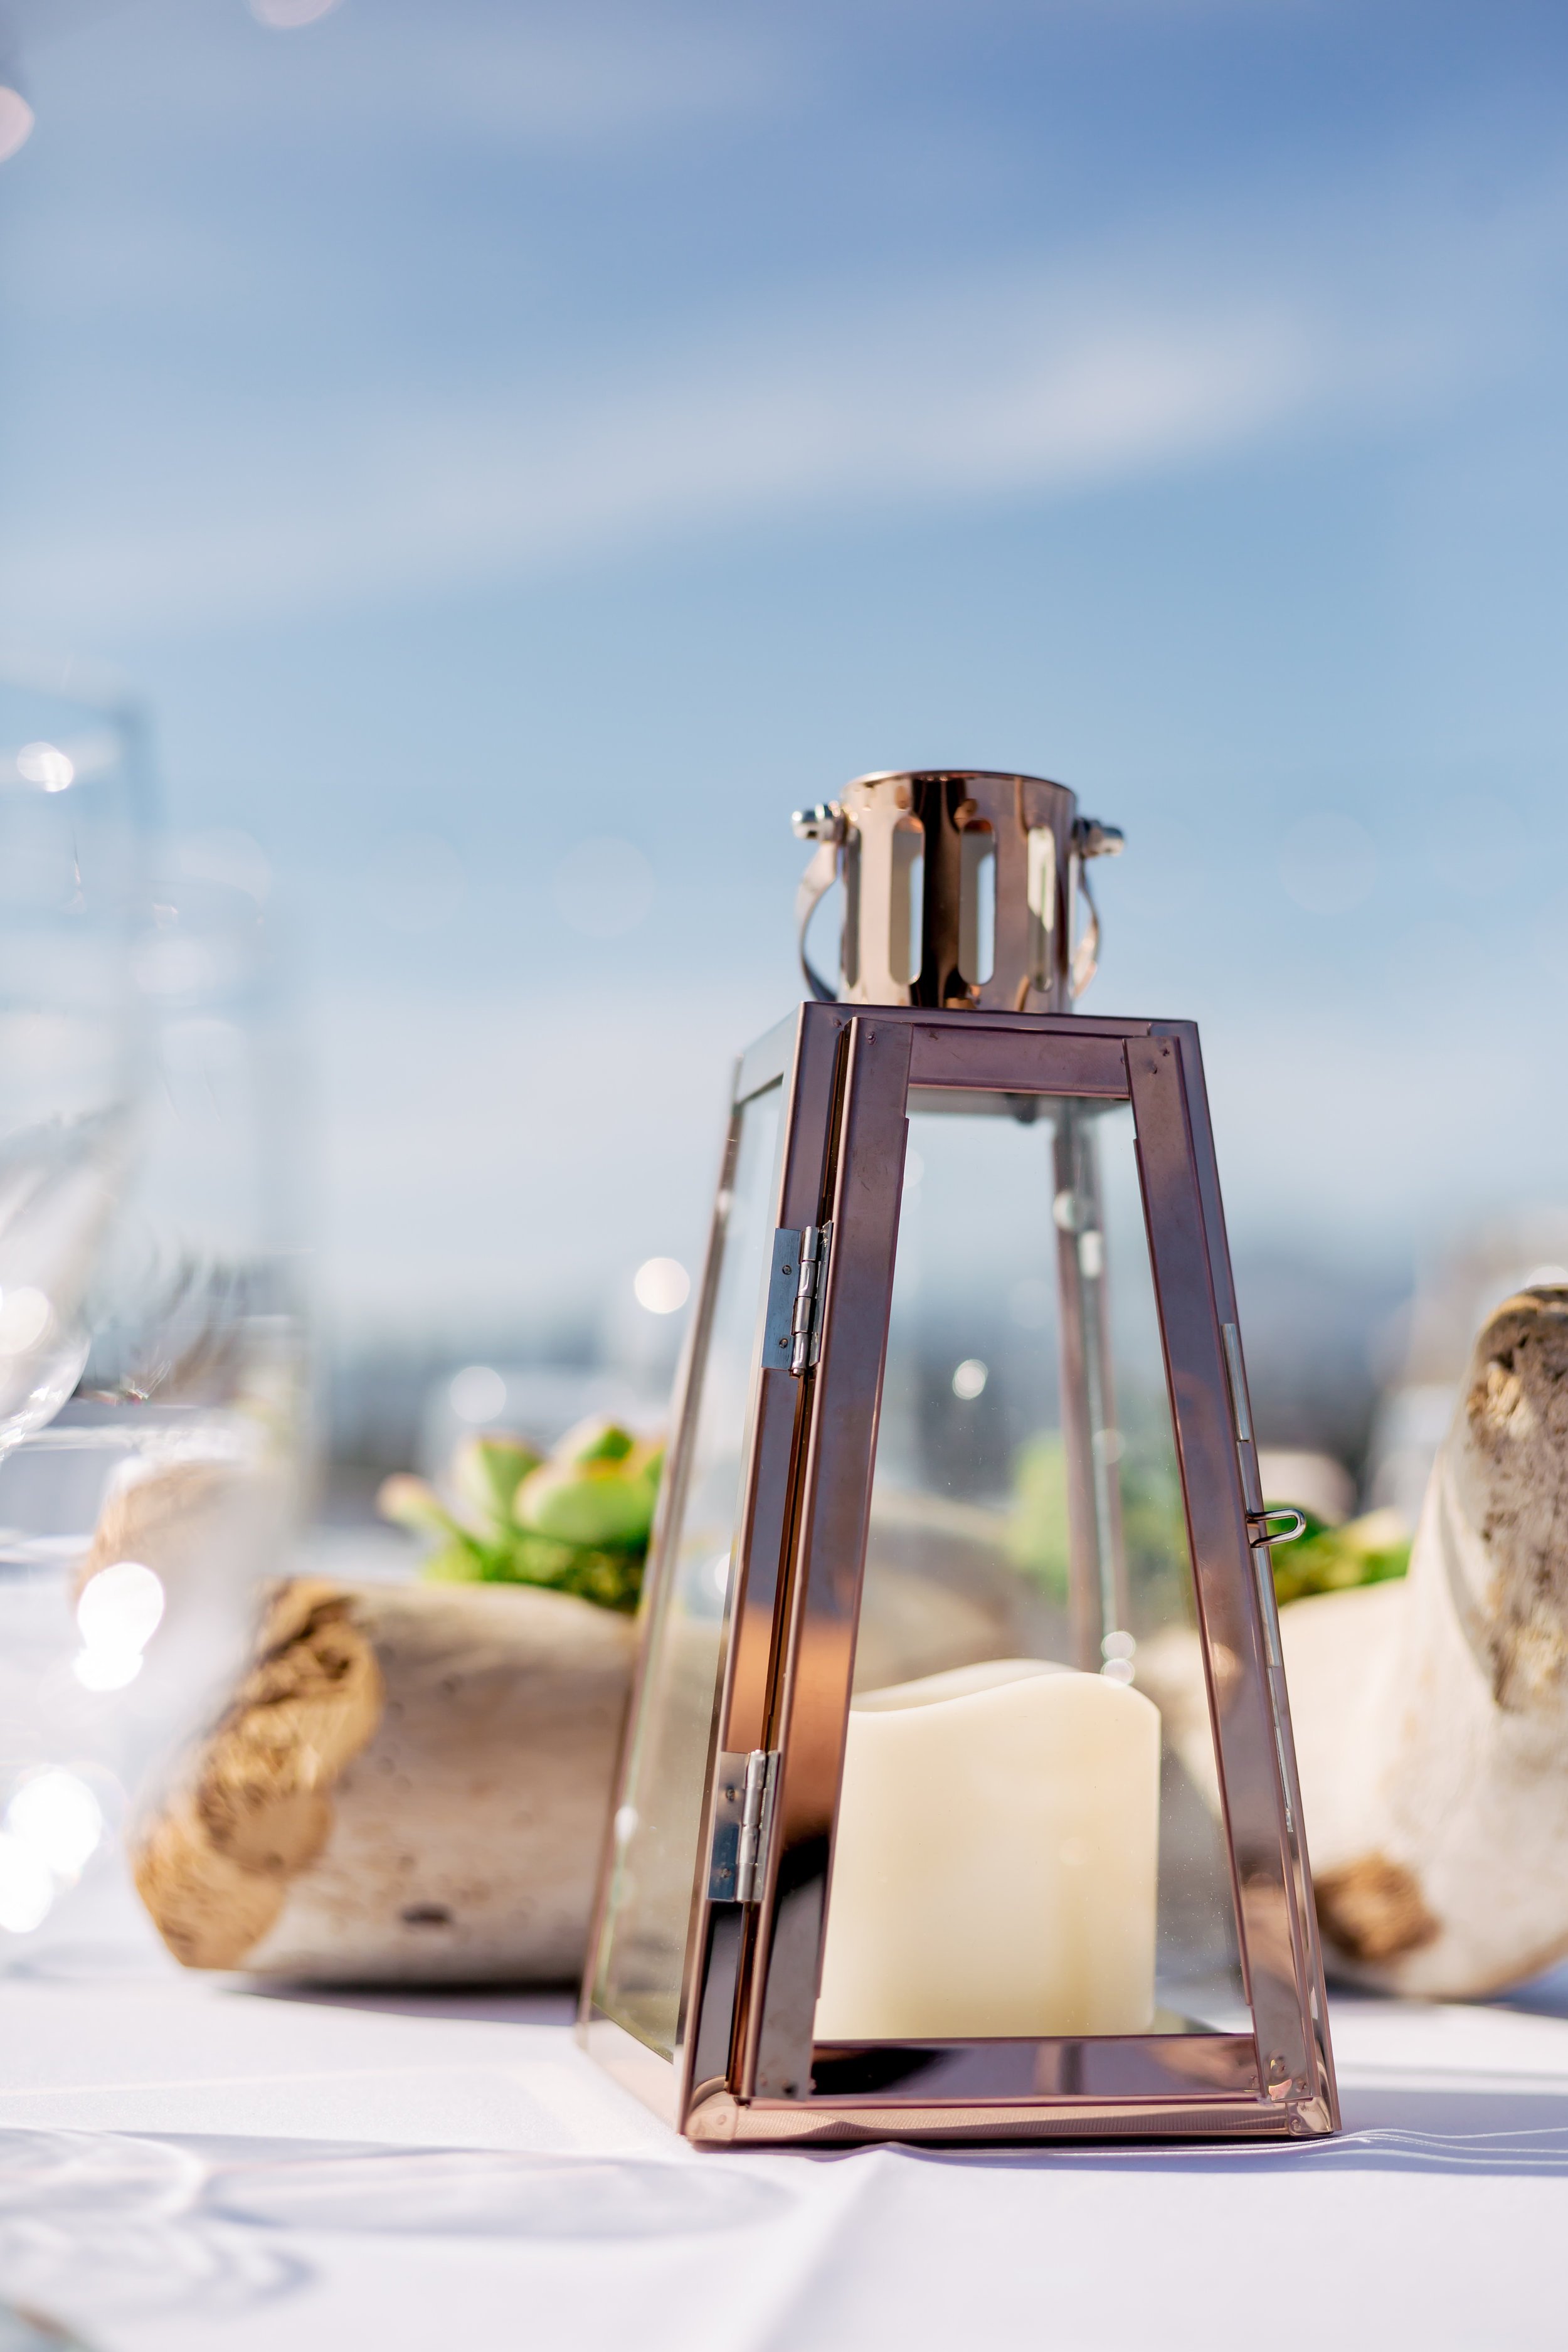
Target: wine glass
{"x": 149, "y": 1464}
{"x": 73, "y": 1032}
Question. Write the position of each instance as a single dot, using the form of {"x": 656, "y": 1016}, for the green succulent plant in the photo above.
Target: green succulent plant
{"x": 1368, "y": 1550}
{"x": 576, "y": 1520}
{"x": 1152, "y": 1526}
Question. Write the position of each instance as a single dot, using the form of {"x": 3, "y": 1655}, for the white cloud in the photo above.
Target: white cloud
{"x": 258, "y": 482}
{"x": 1030, "y": 382}
{"x": 542, "y": 74}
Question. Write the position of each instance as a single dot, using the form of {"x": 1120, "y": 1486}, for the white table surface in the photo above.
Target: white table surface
{"x": 236, "y": 2175}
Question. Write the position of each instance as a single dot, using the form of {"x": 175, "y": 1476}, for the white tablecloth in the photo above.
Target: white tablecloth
{"x": 186, "y": 2162}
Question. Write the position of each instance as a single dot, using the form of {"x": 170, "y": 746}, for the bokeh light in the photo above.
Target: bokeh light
{"x": 117, "y": 1614}
{"x": 234, "y": 859}
{"x": 56, "y": 1814}
{"x": 120, "y": 1608}
{"x": 46, "y": 764}
{"x": 476, "y": 1394}
{"x": 26, "y": 1885}
{"x": 25, "y": 1316}
{"x": 662, "y": 1285}
{"x": 15, "y": 121}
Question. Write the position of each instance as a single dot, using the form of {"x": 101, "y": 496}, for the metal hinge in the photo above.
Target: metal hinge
{"x": 742, "y": 1821}
{"x": 792, "y": 1334}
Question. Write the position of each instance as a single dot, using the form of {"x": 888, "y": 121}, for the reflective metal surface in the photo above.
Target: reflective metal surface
{"x": 960, "y": 890}
{"x": 742, "y": 2064}
{"x": 643, "y": 1946}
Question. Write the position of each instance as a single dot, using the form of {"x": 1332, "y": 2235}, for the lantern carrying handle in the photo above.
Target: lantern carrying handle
{"x": 1090, "y": 838}
{"x": 825, "y": 826}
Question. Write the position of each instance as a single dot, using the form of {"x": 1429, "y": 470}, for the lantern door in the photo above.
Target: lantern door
{"x": 960, "y": 1800}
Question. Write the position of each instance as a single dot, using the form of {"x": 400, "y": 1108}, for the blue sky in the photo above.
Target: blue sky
{"x": 483, "y": 428}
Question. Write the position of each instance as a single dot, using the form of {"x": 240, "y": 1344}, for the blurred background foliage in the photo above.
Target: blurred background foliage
{"x": 576, "y": 1521}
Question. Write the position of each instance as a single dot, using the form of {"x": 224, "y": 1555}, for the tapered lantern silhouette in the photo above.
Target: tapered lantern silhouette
{"x": 898, "y": 1848}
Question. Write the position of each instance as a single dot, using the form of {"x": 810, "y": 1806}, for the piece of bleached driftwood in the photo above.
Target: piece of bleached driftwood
{"x": 206, "y": 1525}
{"x": 409, "y": 1782}
{"x": 1431, "y": 1714}
{"x": 409, "y": 1785}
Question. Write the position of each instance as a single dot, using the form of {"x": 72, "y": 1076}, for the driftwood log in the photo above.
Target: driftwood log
{"x": 1431, "y": 1714}
{"x": 207, "y": 1527}
{"x": 409, "y": 1784}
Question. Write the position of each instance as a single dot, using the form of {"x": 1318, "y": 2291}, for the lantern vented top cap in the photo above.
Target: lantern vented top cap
{"x": 962, "y": 888}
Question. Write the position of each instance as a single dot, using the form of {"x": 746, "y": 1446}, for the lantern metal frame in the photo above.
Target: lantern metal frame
{"x": 745, "y": 2067}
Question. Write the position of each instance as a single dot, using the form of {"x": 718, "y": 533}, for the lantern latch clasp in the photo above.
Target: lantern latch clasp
{"x": 742, "y": 1821}
{"x": 1261, "y": 1529}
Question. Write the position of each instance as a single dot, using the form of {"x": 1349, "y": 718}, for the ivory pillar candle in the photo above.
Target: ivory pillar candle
{"x": 995, "y": 1859}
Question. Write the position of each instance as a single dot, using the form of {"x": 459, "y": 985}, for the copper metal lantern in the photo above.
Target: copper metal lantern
{"x": 963, "y": 1454}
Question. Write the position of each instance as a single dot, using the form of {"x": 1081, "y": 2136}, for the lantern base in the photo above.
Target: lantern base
{"x": 724, "y": 2121}
{"x": 1138, "y": 2087}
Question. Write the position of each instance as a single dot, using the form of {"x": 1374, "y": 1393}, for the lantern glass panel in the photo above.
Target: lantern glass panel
{"x": 1026, "y": 1506}
{"x": 658, "y": 1825}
